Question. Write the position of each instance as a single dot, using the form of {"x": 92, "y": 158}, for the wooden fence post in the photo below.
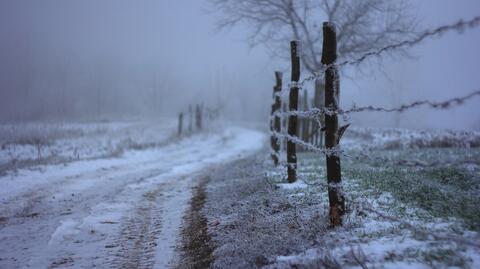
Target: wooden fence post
{"x": 202, "y": 116}
{"x": 332, "y": 90}
{"x": 275, "y": 124}
{"x": 190, "y": 120}
{"x": 198, "y": 117}
{"x": 180, "y": 124}
{"x": 292, "y": 119}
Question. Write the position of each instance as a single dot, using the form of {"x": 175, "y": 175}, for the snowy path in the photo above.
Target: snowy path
{"x": 109, "y": 213}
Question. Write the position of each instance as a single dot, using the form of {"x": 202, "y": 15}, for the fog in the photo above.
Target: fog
{"x": 71, "y": 60}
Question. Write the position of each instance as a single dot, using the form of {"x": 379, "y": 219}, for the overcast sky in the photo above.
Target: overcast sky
{"x": 176, "y": 38}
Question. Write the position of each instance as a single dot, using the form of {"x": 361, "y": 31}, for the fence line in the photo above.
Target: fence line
{"x": 331, "y": 111}
{"x": 198, "y": 115}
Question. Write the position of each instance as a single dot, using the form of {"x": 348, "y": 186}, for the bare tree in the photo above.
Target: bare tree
{"x": 362, "y": 26}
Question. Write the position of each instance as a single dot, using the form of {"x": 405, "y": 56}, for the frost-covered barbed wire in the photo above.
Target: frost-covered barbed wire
{"x": 358, "y": 156}
{"x": 316, "y": 112}
{"x": 437, "y": 105}
{"x": 461, "y": 25}
{"x": 311, "y": 113}
{"x": 335, "y": 151}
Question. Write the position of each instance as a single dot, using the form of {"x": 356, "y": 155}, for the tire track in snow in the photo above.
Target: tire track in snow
{"x": 137, "y": 240}
{"x": 148, "y": 235}
{"x": 132, "y": 206}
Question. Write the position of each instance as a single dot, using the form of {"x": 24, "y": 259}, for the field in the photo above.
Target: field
{"x": 412, "y": 201}
{"x": 140, "y": 196}
{"x": 33, "y": 144}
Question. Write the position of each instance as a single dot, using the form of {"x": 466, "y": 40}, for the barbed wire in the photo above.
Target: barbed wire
{"x": 437, "y": 105}
{"x": 458, "y": 26}
{"x": 461, "y": 25}
{"x": 314, "y": 113}
{"x": 357, "y": 155}
{"x": 365, "y": 205}
{"x": 334, "y": 151}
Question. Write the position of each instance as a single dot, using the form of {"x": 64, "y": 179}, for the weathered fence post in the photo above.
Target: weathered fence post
{"x": 292, "y": 119}
{"x": 198, "y": 117}
{"x": 332, "y": 90}
{"x": 202, "y": 116}
{"x": 275, "y": 124}
{"x": 190, "y": 120}
{"x": 180, "y": 123}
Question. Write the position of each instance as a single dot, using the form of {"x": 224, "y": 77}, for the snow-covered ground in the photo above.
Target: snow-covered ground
{"x": 124, "y": 208}
{"x": 117, "y": 212}
{"x": 30, "y": 144}
{"x": 395, "y": 138}
{"x": 421, "y": 214}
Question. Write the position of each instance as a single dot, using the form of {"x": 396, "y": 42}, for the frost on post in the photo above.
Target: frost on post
{"x": 275, "y": 124}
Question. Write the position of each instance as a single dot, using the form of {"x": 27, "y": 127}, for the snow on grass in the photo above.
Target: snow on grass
{"x": 395, "y": 138}
{"x": 399, "y": 216}
{"x": 368, "y": 239}
{"x": 372, "y": 240}
{"x": 292, "y": 186}
{"x": 30, "y": 144}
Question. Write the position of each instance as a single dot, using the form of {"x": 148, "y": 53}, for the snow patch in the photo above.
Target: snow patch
{"x": 66, "y": 231}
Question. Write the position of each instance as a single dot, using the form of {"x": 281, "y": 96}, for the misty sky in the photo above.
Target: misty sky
{"x": 148, "y": 57}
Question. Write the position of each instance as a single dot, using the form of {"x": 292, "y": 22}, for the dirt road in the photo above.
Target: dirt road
{"x": 109, "y": 213}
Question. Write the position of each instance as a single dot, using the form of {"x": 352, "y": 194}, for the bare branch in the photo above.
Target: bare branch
{"x": 363, "y": 25}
